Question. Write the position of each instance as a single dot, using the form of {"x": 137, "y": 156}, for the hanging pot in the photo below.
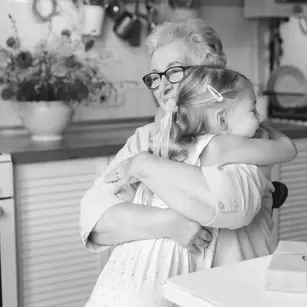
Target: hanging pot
{"x": 129, "y": 26}
{"x": 93, "y": 18}
{"x": 123, "y": 25}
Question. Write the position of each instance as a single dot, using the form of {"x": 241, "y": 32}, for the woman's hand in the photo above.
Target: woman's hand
{"x": 126, "y": 172}
{"x": 121, "y": 176}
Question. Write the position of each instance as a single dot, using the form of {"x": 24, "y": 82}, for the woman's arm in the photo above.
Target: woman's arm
{"x": 131, "y": 222}
{"x": 106, "y": 221}
{"x": 102, "y": 210}
{"x": 232, "y": 149}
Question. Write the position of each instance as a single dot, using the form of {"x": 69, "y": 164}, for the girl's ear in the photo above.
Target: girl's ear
{"x": 221, "y": 119}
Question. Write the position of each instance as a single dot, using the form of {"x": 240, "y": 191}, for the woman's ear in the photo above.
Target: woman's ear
{"x": 221, "y": 119}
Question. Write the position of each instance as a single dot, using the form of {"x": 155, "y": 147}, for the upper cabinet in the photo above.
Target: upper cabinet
{"x": 275, "y": 8}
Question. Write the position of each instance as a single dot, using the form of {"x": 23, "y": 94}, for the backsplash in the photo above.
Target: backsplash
{"x": 239, "y": 37}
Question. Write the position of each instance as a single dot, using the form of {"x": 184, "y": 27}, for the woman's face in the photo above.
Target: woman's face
{"x": 173, "y": 54}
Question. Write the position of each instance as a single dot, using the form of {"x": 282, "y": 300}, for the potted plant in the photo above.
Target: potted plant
{"x": 48, "y": 82}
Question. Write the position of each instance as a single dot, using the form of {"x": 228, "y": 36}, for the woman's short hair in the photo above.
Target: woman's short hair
{"x": 202, "y": 40}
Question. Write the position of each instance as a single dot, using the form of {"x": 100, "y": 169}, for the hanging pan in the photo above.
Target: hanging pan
{"x": 128, "y": 26}
{"x": 136, "y": 28}
{"x": 123, "y": 25}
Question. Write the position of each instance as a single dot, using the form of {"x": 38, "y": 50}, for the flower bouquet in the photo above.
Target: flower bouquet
{"x": 61, "y": 70}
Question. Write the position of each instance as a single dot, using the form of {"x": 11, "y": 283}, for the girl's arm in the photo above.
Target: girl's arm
{"x": 224, "y": 198}
{"x": 233, "y": 149}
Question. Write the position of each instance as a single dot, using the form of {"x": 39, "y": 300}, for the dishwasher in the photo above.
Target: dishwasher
{"x": 8, "y": 257}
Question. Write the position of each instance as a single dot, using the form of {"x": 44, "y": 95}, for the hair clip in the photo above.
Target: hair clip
{"x": 217, "y": 95}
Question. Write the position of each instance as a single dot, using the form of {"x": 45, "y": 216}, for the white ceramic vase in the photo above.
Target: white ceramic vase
{"x": 46, "y": 121}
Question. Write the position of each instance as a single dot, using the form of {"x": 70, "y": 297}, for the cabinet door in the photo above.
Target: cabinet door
{"x": 293, "y": 214}
{"x": 55, "y": 269}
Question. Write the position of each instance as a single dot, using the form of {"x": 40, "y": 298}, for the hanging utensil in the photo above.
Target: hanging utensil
{"x": 93, "y": 17}
{"x": 123, "y": 25}
{"x": 136, "y": 28}
{"x": 114, "y": 9}
{"x": 151, "y": 16}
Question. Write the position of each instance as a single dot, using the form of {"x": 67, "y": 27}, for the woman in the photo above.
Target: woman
{"x": 106, "y": 221}
{"x": 212, "y": 121}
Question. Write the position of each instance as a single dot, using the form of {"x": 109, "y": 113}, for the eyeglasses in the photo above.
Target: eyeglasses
{"x": 173, "y": 75}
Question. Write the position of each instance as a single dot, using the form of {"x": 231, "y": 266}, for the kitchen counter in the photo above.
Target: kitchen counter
{"x": 81, "y": 141}
{"x": 96, "y": 140}
{"x": 291, "y": 128}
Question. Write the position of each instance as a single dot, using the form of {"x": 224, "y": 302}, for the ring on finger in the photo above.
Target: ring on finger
{"x": 201, "y": 243}
{"x": 206, "y": 235}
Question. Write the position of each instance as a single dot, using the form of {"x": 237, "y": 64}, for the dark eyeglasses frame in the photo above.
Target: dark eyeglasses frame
{"x": 184, "y": 68}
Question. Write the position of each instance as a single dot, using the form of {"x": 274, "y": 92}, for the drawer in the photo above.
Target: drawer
{"x": 6, "y": 179}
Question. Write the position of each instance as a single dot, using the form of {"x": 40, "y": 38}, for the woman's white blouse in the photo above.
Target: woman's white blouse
{"x": 240, "y": 195}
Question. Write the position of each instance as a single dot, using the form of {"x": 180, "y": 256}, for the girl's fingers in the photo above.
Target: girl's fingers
{"x": 202, "y": 243}
{"x": 205, "y": 235}
{"x": 193, "y": 249}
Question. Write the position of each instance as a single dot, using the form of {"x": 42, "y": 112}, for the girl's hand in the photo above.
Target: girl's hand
{"x": 262, "y": 133}
{"x": 265, "y": 125}
{"x": 188, "y": 233}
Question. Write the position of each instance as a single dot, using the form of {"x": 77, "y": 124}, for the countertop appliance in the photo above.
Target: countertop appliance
{"x": 287, "y": 92}
{"x": 7, "y": 228}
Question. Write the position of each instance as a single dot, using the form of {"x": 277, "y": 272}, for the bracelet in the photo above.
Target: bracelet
{"x": 39, "y": 16}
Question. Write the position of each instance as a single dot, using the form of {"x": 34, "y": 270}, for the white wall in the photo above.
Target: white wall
{"x": 239, "y": 37}
{"x": 294, "y": 45}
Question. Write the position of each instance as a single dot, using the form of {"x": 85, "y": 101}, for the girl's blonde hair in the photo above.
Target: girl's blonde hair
{"x": 202, "y": 40}
{"x": 194, "y": 98}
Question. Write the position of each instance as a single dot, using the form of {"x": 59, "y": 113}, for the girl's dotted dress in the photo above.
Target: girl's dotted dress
{"x": 136, "y": 271}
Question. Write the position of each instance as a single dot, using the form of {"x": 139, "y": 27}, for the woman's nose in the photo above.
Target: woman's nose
{"x": 165, "y": 85}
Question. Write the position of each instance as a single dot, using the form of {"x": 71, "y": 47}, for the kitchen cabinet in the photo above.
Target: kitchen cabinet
{"x": 53, "y": 267}
{"x": 291, "y": 218}
{"x": 43, "y": 260}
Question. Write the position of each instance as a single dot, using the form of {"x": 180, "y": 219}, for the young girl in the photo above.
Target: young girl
{"x": 212, "y": 122}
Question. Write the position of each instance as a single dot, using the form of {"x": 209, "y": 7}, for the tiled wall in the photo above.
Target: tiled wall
{"x": 238, "y": 35}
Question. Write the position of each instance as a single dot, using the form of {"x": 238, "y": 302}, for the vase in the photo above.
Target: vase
{"x": 46, "y": 121}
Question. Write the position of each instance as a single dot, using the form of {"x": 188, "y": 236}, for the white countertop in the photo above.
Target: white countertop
{"x": 238, "y": 285}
